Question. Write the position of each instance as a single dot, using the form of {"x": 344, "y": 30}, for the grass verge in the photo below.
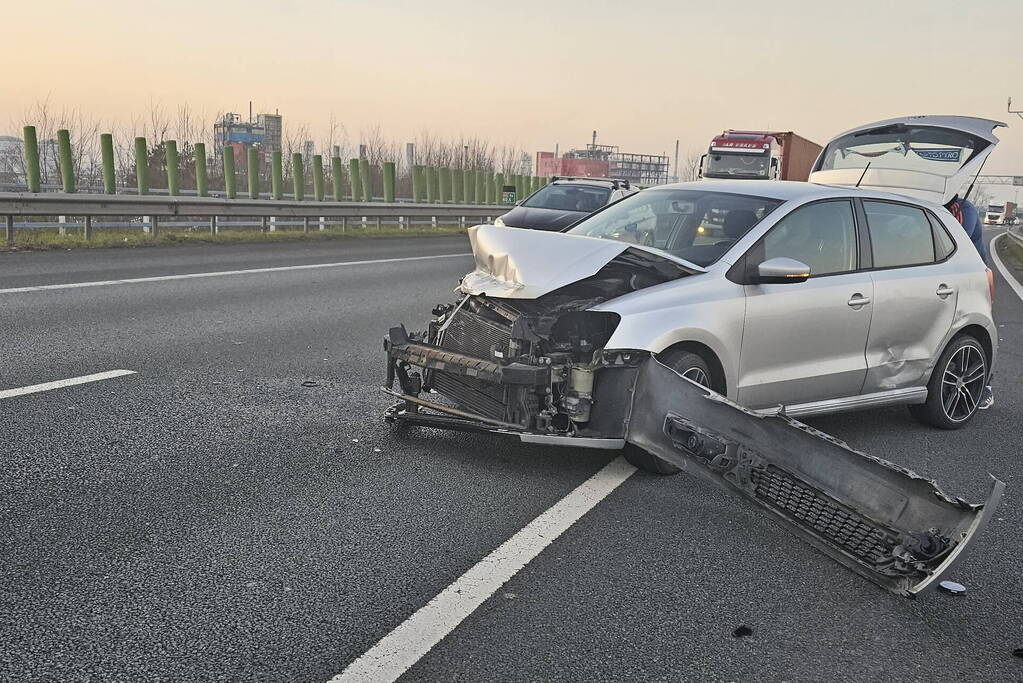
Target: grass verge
{"x": 40, "y": 239}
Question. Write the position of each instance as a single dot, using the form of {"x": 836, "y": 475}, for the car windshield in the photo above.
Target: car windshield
{"x": 566, "y": 197}
{"x": 737, "y": 166}
{"x": 696, "y": 225}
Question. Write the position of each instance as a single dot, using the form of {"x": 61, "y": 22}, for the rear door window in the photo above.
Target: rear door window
{"x": 900, "y": 235}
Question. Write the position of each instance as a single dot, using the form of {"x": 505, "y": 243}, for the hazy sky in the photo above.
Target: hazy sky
{"x": 531, "y": 72}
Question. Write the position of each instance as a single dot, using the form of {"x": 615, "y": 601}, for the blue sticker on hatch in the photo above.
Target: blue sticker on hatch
{"x": 952, "y": 155}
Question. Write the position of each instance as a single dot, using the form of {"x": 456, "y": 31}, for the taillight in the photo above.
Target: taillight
{"x": 991, "y": 284}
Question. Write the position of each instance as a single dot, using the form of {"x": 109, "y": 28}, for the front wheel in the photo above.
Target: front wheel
{"x": 956, "y": 385}
{"x": 691, "y": 366}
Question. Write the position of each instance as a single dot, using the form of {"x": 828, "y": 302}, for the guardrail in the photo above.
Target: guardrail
{"x": 1016, "y": 233}
{"x": 154, "y": 208}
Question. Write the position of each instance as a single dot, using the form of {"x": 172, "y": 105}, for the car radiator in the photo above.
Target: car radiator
{"x": 476, "y": 336}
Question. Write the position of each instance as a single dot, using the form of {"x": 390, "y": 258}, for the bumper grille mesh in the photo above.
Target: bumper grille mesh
{"x": 852, "y": 532}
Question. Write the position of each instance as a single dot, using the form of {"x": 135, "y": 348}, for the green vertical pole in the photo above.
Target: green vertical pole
{"x": 141, "y": 166}
{"x": 537, "y": 183}
{"x": 488, "y": 190}
{"x": 298, "y": 176}
{"x": 318, "y": 177}
{"x": 337, "y": 178}
{"x": 170, "y": 150}
{"x": 67, "y": 168}
{"x": 456, "y": 185}
{"x": 230, "y": 188}
{"x": 499, "y": 188}
{"x": 431, "y": 184}
{"x": 201, "y": 184}
{"x": 355, "y": 180}
{"x": 480, "y": 193}
{"x": 277, "y": 174}
{"x": 31, "y": 158}
{"x": 389, "y": 177}
{"x": 444, "y": 194}
{"x": 417, "y": 183}
{"x": 467, "y": 185}
{"x": 106, "y": 149}
{"x": 252, "y": 159}
{"x": 366, "y": 175}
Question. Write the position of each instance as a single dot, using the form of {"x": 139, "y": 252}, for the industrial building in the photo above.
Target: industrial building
{"x": 605, "y": 161}
{"x": 264, "y": 131}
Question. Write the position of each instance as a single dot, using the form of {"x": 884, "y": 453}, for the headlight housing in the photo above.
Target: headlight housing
{"x": 499, "y": 222}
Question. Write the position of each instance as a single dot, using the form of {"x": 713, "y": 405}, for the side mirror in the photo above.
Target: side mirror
{"x": 699, "y": 173}
{"x": 781, "y": 270}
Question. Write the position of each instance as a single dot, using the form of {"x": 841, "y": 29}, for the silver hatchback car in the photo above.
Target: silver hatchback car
{"x": 687, "y": 324}
{"x": 784, "y": 297}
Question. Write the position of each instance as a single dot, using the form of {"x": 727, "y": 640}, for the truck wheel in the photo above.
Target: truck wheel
{"x": 956, "y": 385}
{"x": 691, "y": 366}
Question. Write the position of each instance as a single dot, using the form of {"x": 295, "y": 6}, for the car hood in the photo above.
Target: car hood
{"x": 925, "y": 157}
{"x": 540, "y": 219}
{"x": 514, "y": 263}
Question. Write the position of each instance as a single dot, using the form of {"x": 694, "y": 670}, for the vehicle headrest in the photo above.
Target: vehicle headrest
{"x": 737, "y": 222}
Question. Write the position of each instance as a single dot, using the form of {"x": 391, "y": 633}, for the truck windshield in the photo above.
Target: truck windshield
{"x": 696, "y": 225}
{"x": 737, "y": 166}
{"x": 586, "y": 198}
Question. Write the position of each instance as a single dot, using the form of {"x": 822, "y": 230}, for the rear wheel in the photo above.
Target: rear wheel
{"x": 691, "y": 366}
{"x": 956, "y": 385}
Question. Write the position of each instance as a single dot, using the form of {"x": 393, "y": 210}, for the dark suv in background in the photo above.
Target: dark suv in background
{"x": 563, "y": 201}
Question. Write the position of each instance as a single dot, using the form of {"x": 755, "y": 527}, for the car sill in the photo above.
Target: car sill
{"x": 837, "y": 405}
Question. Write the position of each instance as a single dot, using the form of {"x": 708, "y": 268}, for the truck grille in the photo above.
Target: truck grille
{"x": 476, "y": 336}
{"x": 851, "y": 531}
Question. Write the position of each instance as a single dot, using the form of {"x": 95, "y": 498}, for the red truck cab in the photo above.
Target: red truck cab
{"x": 759, "y": 155}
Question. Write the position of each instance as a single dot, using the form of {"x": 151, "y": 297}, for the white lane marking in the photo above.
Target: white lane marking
{"x": 189, "y": 276}
{"x": 1006, "y": 273}
{"x": 49, "y": 386}
{"x": 405, "y": 645}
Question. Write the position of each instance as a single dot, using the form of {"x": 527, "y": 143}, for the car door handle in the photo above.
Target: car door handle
{"x": 857, "y": 300}
{"x": 944, "y": 291}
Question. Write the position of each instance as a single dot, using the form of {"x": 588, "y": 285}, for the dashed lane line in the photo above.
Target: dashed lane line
{"x": 400, "y": 649}
{"x": 221, "y": 273}
{"x": 61, "y": 383}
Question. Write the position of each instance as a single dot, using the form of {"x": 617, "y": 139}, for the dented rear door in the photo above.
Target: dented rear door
{"x": 879, "y": 519}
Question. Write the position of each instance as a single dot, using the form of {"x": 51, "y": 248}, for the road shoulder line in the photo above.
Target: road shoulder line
{"x": 222, "y": 273}
{"x": 61, "y": 383}
{"x": 1003, "y": 269}
{"x": 400, "y": 649}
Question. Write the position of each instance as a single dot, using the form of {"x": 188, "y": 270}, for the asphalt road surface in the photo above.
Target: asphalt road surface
{"x": 237, "y": 509}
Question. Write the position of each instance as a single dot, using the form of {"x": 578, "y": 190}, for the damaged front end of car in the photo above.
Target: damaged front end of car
{"x": 524, "y": 355}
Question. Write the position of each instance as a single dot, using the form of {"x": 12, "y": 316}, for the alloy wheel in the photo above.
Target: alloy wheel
{"x": 963, "y": 383}
{"x": 698, "y": 376}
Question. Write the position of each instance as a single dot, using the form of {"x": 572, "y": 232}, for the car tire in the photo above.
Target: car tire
{"x": 955, "y": 387}
{"x": 687, "y": 364}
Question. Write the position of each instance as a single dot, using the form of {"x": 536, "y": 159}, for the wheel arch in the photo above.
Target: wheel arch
{"x": 718, "y": 376}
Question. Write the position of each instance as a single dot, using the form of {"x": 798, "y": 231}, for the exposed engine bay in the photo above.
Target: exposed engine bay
{"x": 536, "y": 365}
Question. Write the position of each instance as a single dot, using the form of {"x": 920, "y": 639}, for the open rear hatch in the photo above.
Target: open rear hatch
{"x": 926, "y": 157}
{"x": 883, "y": 521}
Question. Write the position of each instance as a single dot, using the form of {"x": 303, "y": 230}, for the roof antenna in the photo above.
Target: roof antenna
{"x": 864, "y": 173}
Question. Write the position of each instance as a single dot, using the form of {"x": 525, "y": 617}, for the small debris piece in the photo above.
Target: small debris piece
{"x": 952, "y": 588}
{"x": 355, "y": 441}
{"x": 510, "y": 596}
{"x": 742, "y": 631}
{"x": 310, "y": 383}
{"x": 376, "y": 450}
{"x": 1018, "y": 652}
